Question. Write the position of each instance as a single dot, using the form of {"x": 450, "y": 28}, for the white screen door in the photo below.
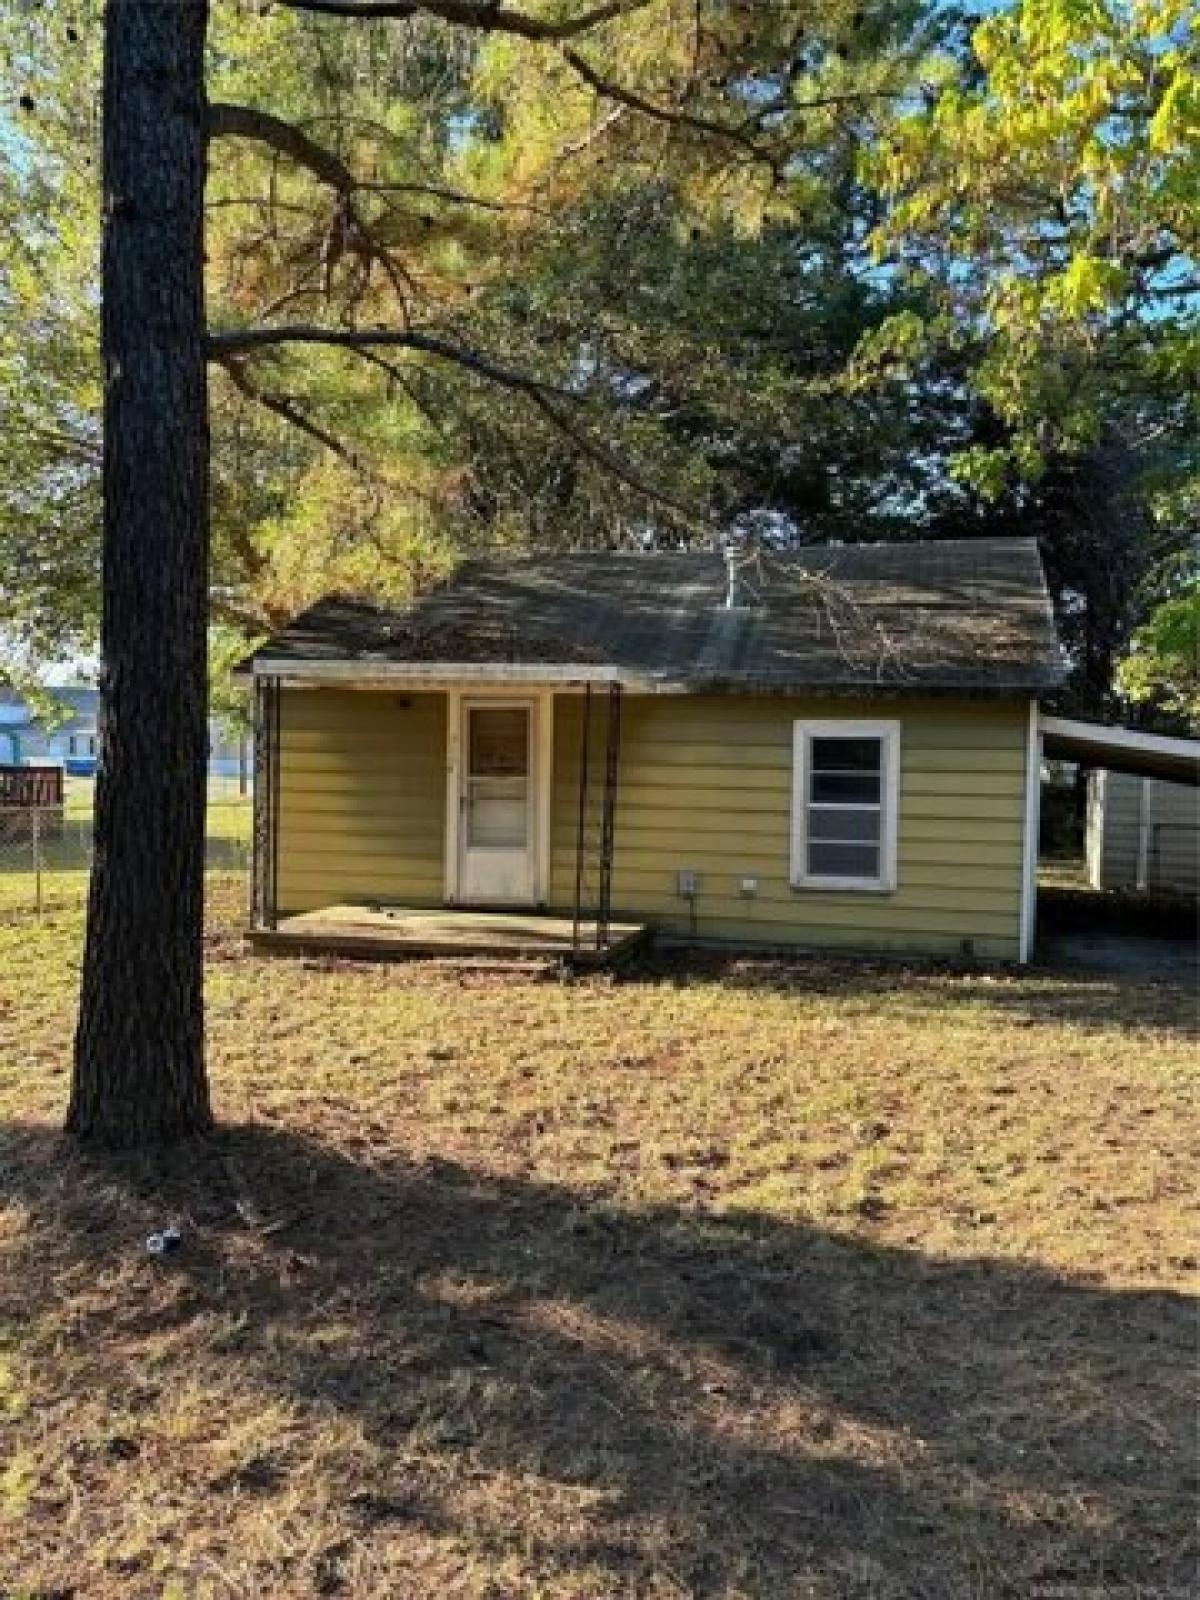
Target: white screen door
{"x": 496, "y": 835}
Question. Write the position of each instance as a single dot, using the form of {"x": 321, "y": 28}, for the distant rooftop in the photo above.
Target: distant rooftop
{"x": 966, "y": 615}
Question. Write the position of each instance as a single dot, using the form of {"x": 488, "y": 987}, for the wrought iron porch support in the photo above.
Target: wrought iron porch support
{"x": 264, "y": 910}
{"x": 581, "y": 822}
{"x": 608, "y": 818}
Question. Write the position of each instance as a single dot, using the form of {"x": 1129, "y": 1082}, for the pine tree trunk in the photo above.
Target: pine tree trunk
{"x": 139, "y": 1052}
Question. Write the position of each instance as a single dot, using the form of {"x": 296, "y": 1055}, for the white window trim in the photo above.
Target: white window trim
{"x": 888, "y": 733}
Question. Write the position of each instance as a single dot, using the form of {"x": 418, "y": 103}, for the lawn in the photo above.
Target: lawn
{"x": 746, "y": 1280}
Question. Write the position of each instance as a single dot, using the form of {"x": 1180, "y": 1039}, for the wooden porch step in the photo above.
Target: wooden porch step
{"x": 383, "y": 933}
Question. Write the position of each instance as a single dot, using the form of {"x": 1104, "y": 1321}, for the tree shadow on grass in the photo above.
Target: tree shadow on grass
{"x": 1046, "y": 995}
{"x": 662, "y": 1401}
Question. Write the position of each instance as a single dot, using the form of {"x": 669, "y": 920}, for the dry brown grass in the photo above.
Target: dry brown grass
{"x": 828, "y": 1280}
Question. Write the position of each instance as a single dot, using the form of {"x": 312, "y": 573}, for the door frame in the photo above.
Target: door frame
{"x": 540, "y": 702}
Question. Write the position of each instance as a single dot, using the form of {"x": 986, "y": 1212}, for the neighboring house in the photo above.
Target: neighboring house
{"x": 71, "y": 740}
{"x": 1142, "y": 833}
{"x": 228, "y": 753}
{"x": 833, "y": 749}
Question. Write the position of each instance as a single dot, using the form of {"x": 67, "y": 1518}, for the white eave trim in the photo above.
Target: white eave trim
{"x": 436, "y": 673}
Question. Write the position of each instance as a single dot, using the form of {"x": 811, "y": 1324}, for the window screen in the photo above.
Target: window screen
{"x": 498, "y": 777}
{"x": 845, "y": 811}
{"x": 842, "y": 795}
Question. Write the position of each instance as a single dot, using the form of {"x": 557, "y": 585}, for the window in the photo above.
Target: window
{"x": 497, "y": 796}
{"x": 846, "y": 780}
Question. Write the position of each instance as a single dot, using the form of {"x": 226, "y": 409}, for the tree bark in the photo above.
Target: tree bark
{"x": 139, "y": 1056}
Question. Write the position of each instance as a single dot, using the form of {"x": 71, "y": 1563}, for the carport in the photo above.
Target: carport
{"x": 1132, "y": 774}
{"x": 1143, "y": 812}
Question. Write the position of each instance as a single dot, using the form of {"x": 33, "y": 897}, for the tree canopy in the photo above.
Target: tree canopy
{"x": 1162, "y": 667}
{"x": 1046, "y": 199}
{"x": 556, "y": 274}
{"x": 1042, "y": 206}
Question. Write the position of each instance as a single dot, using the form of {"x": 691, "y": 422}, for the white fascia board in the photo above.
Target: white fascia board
{"x": 439, "y": 673}
{"x": 1100, "y": 734}
{"x": 1031, "y": 834}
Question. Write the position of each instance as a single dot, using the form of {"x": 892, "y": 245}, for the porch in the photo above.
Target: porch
{"x": 444, "y": 821}
{"x": 386, "y": 932}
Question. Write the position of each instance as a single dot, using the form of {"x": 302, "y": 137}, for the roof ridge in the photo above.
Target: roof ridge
{"x": 964, "y": 542}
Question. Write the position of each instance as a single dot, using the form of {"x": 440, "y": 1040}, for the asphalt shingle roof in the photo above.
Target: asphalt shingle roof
{"x": 969, "y": 615}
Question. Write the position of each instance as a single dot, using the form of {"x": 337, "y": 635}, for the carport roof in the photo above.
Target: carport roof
{"x": 1146, "y": 755}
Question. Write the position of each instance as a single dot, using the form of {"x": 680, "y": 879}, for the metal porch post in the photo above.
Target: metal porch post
{"x": 581, "y": 825}
{"x": 608, "y": 820}
{"x": 265, "y": 837}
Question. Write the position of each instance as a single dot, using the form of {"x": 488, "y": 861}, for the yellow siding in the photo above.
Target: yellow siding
{"x": 362, "y": 812}
{"x": 705, "y": 783}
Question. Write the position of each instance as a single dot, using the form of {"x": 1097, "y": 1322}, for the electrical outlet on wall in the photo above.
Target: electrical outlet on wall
{"x": 747, "y": 888}
{"x": 687, "y": 883}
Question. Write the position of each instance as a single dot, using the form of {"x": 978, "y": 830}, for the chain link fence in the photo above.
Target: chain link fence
{"x": 46, "y": 851}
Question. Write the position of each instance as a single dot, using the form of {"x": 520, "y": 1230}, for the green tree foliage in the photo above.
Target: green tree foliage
{"x": 1043, "y": 205}
{"x": 824, "y": 270}
{"x": 49, "y": 377}
{"x": 289, "y": 514}
{"x": 1162, "y": 669}
{"x": 613, "y": 223}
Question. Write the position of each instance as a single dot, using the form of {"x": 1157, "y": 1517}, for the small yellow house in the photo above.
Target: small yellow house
{"x": 835, "y": 748}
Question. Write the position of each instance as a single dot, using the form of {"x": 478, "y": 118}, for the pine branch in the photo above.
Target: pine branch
{"x": 673, "y": 116}
{"x": 247, "y": 122}
{"x": 286, "y": 408}
{"x": 229, "y": 121}
{"x": 552, "y": 402}
{"x": 491, "y": 16}
{"x": 242, "y": 341}
{"x": 485, "y": 16}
